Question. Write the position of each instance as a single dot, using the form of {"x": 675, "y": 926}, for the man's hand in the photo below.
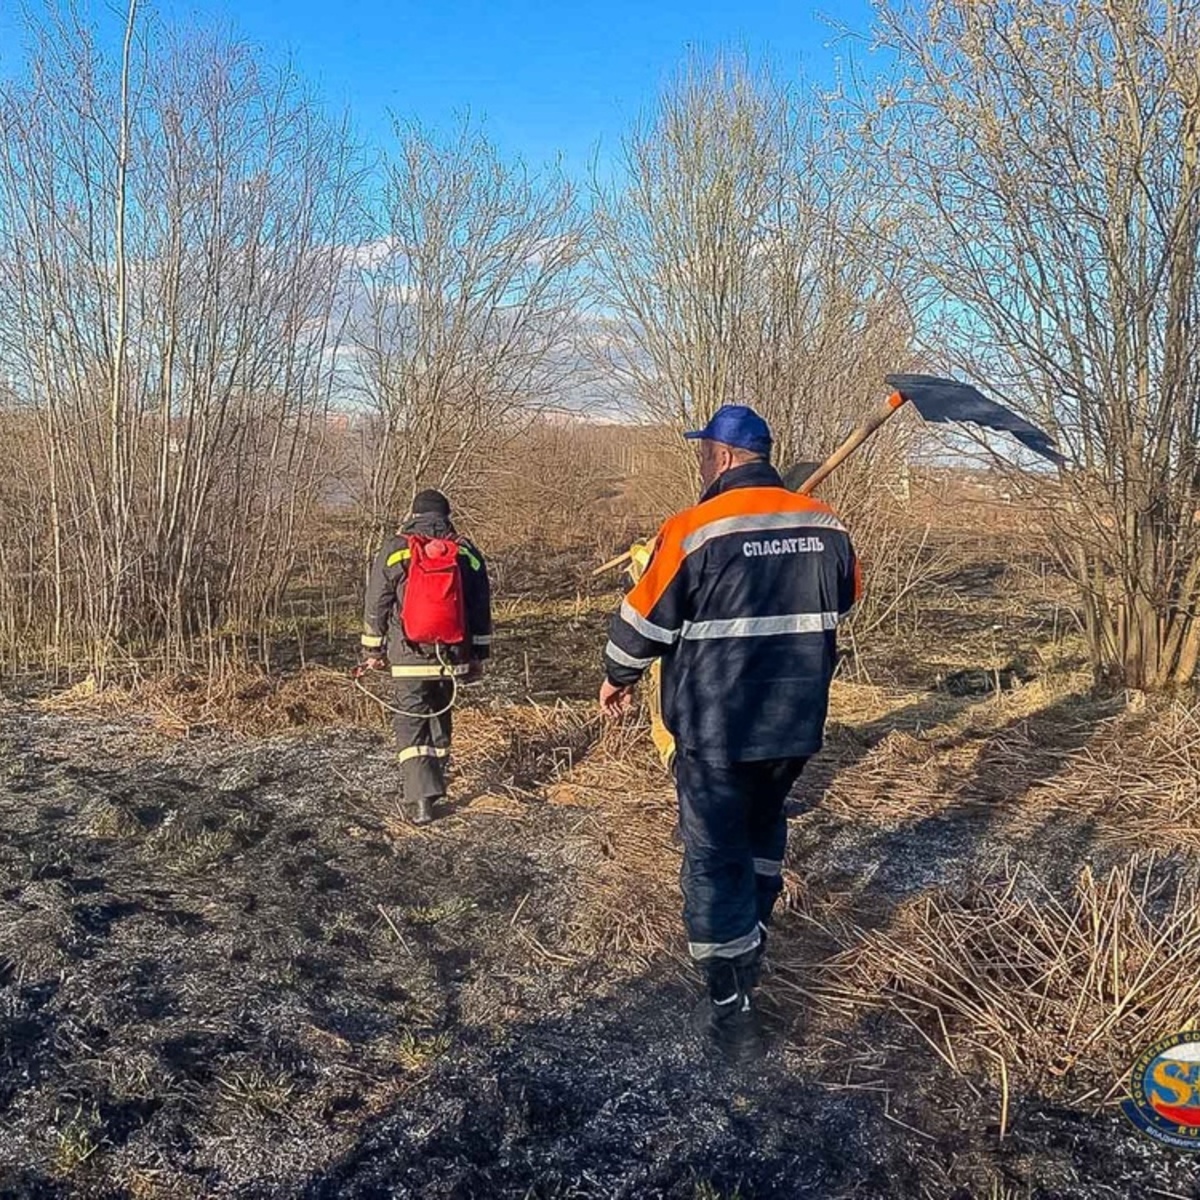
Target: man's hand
{"x": 374, "y": 663}
{"x": 614, "y": 700}
{"x": 474, "y": 670}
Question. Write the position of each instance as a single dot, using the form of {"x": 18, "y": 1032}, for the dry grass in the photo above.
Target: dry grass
{"x": 255, "y": 1091}
{"x": 554, "y": 874}
{"x": 1012, "y": 980}
{"x": 894, "y": 756}
{"x": 1141, "y": 782}
{"x": 1053, "y": 995}
{"x": 1009, "y": 981}
{"x": 628, "y": 909}
{"x": 248, "y": 702}
{"x": 513, "y": 754}
{"x": 505, "y": 750}
{"x": 1126, "y": 765}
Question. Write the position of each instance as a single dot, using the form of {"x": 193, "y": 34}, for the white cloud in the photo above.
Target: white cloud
{"x": 372, "y": 254}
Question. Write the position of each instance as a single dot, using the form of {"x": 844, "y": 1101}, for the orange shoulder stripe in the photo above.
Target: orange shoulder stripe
{"x": 669, "y": 552}
{"x": 664, "y": 565}
{"x": 747, "y": 502}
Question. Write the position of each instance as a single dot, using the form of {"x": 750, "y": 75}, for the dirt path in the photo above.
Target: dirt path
{"x": 226, "y": 971}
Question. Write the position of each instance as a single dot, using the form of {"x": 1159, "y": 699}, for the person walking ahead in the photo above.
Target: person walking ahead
{"x": 429, "y": 615}
{"x": 741, "y": 599}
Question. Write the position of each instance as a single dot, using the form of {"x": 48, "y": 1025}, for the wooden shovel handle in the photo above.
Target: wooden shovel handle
{"x": 874, "y": 422}
{"x": 614, "y": 562}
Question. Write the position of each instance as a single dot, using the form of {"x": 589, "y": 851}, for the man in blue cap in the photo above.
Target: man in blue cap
{"x": 741, "y": 600}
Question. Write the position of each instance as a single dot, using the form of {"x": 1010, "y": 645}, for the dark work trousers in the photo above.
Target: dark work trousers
{"x": 423, "y": 734}
{"x": 734, "y": 832}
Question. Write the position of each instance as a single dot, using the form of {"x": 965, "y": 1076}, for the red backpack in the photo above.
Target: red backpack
{"x": 434, "y": 611}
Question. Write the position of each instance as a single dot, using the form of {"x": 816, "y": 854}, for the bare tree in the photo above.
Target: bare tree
{"x": 738, "y": 257}
{"x": 471, "y": 303}
{"x": 681, "y": 234}
{"x": 169, "y": 271}
{"x": 1057, "y": 148}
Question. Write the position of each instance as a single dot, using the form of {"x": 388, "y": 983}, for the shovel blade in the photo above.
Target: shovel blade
{"x": 943, "y": 401}
{"x": 797, "y": 475}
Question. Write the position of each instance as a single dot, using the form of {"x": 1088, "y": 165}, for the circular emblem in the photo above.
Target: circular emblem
{"x": 1164, "y": 1091}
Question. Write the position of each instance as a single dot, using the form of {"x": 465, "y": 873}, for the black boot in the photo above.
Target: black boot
{"x": 726, "y": 1018}
{"x": 423, "y": 811}
{"x": 754, "y": 971}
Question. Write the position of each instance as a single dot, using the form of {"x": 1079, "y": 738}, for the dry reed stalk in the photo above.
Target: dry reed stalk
{"x": 1137, "y": 780}
{"x": 1062, "y": 992}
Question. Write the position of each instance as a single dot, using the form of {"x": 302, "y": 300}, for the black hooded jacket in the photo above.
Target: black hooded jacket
{"x": 385, "y": 596}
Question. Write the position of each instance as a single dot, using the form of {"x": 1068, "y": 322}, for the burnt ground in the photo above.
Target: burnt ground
{"x": 228, "y": 970}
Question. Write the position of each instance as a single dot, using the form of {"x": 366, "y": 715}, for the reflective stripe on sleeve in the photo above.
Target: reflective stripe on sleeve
{"x": 482, "y": 639}
{"x": 371, "y": 641}
{"x": 656, "y": 633}
{"x": 613, "y": 651}
{"x": 399, "y": 556}
{"x": 475, "y": 563}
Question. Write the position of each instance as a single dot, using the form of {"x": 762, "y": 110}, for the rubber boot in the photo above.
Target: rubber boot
{"x": 726, "y": 1019}
{"x": 423, "y": 811}
{"x": 758, "y": 963}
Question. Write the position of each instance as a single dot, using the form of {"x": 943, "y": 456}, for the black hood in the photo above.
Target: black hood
{"x": 430, "y": 525}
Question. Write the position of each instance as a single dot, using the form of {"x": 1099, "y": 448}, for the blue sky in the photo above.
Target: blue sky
{"x": 546, "y": 78}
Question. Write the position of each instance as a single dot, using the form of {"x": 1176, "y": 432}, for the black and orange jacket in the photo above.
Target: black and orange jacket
{"x": 385, "y": 597}
{"x": 741, "y": 599}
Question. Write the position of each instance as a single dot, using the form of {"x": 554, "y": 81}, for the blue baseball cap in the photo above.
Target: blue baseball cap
{"x": 737, "y": 425}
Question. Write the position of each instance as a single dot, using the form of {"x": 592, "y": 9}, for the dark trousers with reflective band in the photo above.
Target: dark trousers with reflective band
{"x": 734, "y": 831}
{"x": 423, "y": 734}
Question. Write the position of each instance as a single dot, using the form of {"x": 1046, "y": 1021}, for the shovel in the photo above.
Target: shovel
{"x": 942, "y": 402}
{"x": 939, "y": 401}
